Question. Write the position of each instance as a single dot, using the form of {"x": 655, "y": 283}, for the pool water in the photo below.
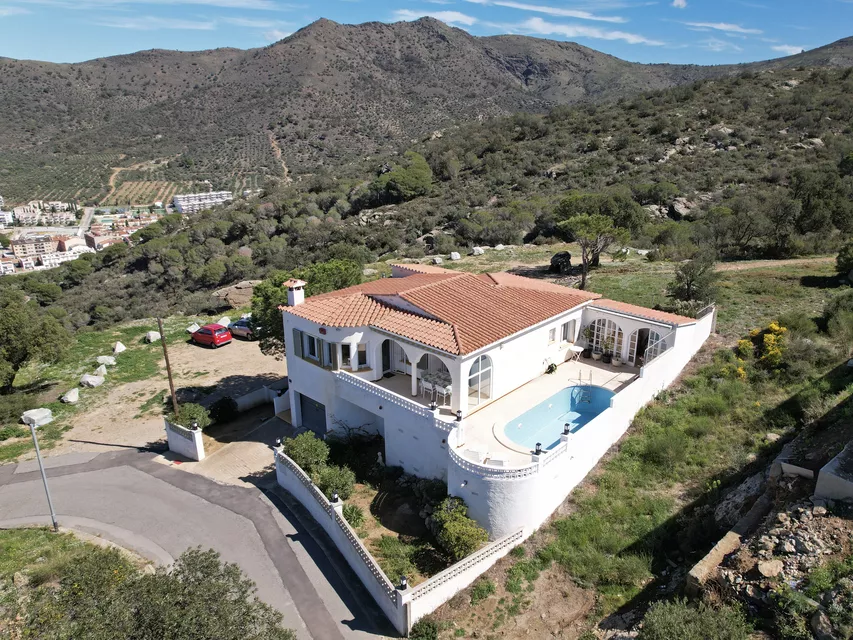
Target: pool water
{"x": 544, "y": 422}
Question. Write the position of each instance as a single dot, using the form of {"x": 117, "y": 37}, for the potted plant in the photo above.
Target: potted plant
{"x": 596, "y": 353}
{"x": 608, "y": 351}
{"x": 588, "y": 333}
{"x": 617, "y": 360}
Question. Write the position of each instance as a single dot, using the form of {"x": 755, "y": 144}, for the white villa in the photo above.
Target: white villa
{"x": 451, "y": 368}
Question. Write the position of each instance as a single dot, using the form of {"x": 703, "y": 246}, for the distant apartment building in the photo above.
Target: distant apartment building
{"x": 59, "y": 218}
{"x": 27, "y": 215}
{"x": 27, "y": 264}
{"x": 192, "y": 202}
{"x": 68, "y": 243}
{"x": 6, "y": 217}
{"x": 7, "y": 267}
{"x": 50, "y": 260}
{"x": 32, "y": 247}
{"x": 99, "y": 242}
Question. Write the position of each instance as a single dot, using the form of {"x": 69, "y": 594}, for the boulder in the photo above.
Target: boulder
{"x": 152, "y": 336}
{"x": 224, "y": 321}
{"x": 101, "y": 371}
{"x": 193, "y": 328}
{"x": 437, "y": 260}
{"x": 369, "y": 272}
{"x": 71, "y": 396}
{"x": 772, "y": 437}
{"x": 561, "y": 262}
{"x": 478, "y": 251}
{"x": 454, "y": 255}
{"x": 499, "y": 247}
{"x": 770, "y": 568}
{"x": 91, "y": 381}
{"x": 118, "y": 347}
{"x": 107, "y": 360}
{"x": 238, "y": 295}
{"x": 37, "y": 417}
{"x": 738, "y": 501}
{"x": 822, "y": 627}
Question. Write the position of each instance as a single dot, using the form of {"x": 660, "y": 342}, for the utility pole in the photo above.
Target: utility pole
{"x": 44, "y": 478}
{"x": 168, "y": 367}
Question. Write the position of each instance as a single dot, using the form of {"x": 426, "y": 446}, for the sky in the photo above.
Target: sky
{"x": 676, "y": 31}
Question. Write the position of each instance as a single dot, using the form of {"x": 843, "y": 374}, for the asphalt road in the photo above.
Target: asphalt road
{"x": 158, "y": 512}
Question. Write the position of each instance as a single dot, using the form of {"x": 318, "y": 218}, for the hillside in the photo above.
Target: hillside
{"x": 327, "y": 94}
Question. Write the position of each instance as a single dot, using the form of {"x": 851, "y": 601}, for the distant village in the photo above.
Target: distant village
{"x": 44, "y": 234}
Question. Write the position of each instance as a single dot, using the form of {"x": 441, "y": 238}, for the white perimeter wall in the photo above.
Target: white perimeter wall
{"x": 502, "y": 500}
{"x": 185, "y": 442}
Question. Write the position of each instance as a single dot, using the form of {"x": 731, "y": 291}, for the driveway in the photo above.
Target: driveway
{"x": 157, "y": 511}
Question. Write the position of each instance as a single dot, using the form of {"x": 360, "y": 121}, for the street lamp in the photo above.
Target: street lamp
{"x": 44, "y": 478}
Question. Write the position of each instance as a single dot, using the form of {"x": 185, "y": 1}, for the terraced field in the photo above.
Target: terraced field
{"x": 145, "y": 192}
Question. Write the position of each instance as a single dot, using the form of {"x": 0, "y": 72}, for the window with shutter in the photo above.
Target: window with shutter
{"x": 297, "y": 343}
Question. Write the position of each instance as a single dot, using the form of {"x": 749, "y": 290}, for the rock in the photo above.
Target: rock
{"x": 783, "y": 518}
{"x": 238, "y": 295}
{"x": 478, "y": 251}
{"x": 772, "y": 437}
{"x": 20, "y": 580}
{"x": 224, "y": 321}
{"x": 106, "y": 360}
{"x": 822, "y": 627}
{"x": 816, "y": 142}
{"x": 736, "y": 502}
{"x": 499, "y": 247}
{"x": 681, "y": 207}
{"x": 561, "y": 262}
{"x": 770, "y": 568}
{"x": 101, "y": 371}
{"x": 819, "y": 511}
{"x": 850, "y": 362}
{"x": 37, "y": 417}
{"x": 454, "y": 255}
{"x": 193, "y": 328}
{"x": 369, "y": 272}
{"x": 788, "y": 547}
{"x": 71, "y": 396}
{"x": 152, "y": 336}
{"x": 437, "y": 260}
{"x": 91, "y": 381}
{"x": 656, "y": 212}
{"x": 118, "y": 347}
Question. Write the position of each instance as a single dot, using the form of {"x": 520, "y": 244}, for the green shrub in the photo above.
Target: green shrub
{"x": 306, "y": 450}
{"x": 14, "y": 404}
{"x": 671, "y": 620}
{"x": 518, "y": 552}
{"x": 395, "y": 557}
{"x": 224, "y": 410}
{"x": 481, "y": 590}
{"x": 354, "y": 515}
{"x": 424, "y": 629}
{"x": 190, "y": 413}
{"x": 334, "y": 479}
{"x": 13, "y": 431}
{"x": 458, "y": 534}
{"x": 844, "y": 260}
{"x": 798, "y": 322}
{"x": 666, "y": 449}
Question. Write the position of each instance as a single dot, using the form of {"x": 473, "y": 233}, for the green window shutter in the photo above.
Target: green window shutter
{"x": 297, "y": 343}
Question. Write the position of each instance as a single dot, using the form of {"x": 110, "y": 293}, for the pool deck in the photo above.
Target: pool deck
{"x": 484, "y": 437}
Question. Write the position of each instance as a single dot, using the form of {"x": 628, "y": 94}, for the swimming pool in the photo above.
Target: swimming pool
{"x": 544, "y": 422}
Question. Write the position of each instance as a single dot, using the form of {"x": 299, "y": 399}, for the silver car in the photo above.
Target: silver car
{"x": 242, "y": 328}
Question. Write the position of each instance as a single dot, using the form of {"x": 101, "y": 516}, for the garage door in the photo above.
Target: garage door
{"x": 313, "y": 415}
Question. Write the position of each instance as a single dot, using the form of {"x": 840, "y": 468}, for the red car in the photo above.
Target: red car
{"x": 212, "y": 335}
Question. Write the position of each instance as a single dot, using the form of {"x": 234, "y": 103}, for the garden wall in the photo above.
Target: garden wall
{"x": 184, "y": 442}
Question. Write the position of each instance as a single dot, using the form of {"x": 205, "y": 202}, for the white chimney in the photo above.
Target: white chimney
{"x": 295, "y": 292}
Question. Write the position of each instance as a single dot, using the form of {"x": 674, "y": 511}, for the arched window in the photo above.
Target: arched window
{"x": 604, "y": 330}
{"x": 480, "y": 381}
{"x": 645, "y": 345}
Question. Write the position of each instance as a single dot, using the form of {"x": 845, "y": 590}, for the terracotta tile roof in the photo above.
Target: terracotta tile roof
{"x": 466, "y": 312}
{"x": 422, "y": 268}
{"x": 642, "y": 312}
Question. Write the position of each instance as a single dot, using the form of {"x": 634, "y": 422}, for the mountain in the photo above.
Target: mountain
{"x": 327, "y": 93}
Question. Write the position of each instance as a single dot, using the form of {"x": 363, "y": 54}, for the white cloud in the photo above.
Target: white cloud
{"x": 788, "y": 49}
{"x": 722, "y": 26}
{"x": 551, "y": 11}
{"x": 12, "y": 11}
{"x": 152, "y": 23}
{"x": 538, "y": 26}
{"x": 105, "y": 4}
{"x": 450, "y": 17}
{"x": 274, "y": 35}
{"x": 679, "y": 4}
{"x": 719, "y": 46}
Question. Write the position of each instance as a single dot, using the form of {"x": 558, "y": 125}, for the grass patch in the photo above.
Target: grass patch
{"x": 39, "y": 553}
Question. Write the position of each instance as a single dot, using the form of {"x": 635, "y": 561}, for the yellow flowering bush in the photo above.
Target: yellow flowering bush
{"x": 745, "y": 348}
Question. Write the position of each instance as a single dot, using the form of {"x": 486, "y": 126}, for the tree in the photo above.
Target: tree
{"x": 594, "y": 234}
{"x": 26, "y": 334}
{"x": 694, "y": 281}
{"x": 845, "y": 167}
{"x": 404, "y": 182}
{"x": 102, "y": 595}
{"x": 844, "y": 260}
{"x": 269, "y": 295}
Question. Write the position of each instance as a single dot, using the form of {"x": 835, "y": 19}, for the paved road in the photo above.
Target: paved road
{"x": 158, "y": 511}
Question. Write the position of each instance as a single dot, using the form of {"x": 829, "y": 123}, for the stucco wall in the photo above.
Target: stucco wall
{"x": 184, "y": 442}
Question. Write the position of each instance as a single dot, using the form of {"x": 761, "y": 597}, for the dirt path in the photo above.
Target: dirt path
{"x": 760, "y": 264}
{"x": 130, "y": 415}
{"x": 277, "y": 152}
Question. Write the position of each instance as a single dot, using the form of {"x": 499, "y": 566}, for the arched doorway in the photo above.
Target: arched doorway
{"x": 394, "y": 358}
{"x": 644, "y": 345}
{"x": 480, "y": 381}
{"x": 605, "y": 331}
